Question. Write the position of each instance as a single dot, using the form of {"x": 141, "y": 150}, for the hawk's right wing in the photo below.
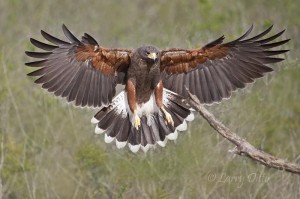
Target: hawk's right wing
{"x": 215, "y": 70}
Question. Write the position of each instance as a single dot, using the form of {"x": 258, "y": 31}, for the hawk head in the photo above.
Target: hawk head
{"x": 149, "y": 54}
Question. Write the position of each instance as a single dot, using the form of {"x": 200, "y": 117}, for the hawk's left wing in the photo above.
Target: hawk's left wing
{"x": 80, "y": 71}
{"x": 215, "y": 70}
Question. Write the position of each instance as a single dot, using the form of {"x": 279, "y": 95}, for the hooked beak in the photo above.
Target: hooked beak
{"x": 153, "y": 56}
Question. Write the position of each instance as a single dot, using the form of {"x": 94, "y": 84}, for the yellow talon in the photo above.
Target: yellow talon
{"x": 168, "y": 117}
{"x": 136, "y": 122}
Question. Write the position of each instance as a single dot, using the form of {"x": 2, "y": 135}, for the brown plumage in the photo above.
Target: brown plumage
{"x": 150, "y": 108}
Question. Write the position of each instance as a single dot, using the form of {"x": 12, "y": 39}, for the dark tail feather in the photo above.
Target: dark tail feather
{"x": 115, "y": 121}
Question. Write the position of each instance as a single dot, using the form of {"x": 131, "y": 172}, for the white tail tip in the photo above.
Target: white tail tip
{"x": 147, "y": 147}
{"x": 173, "y": 136}
{"x": 94, "y": 120}
{"x": 190, "y": 117}
{"x": 134, "y": 148}
{"x": 162, "y": 143}
{"x": 108, "y": 139}
{"x": 182, "y": 127}
{"x": 120, "y": 145}
{"x": 98, "y": 130}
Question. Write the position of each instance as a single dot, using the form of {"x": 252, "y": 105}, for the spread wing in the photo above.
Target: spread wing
{"x": 215, "y": 70}
{"x": 80, "y": 71}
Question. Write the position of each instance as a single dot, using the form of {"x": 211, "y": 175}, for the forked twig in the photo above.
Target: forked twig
{"x": 242, "y": 146}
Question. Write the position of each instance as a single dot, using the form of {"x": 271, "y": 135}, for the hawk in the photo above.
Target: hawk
{"x": 151, "y": 109}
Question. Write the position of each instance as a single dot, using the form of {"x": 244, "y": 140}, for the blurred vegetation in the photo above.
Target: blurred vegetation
{"x": 50, "y": 150}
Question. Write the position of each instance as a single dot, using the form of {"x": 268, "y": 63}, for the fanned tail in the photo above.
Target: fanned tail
{"x": 116, "y": 121}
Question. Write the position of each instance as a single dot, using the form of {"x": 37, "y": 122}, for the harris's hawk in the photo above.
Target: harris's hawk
{"x": 149, "y": 110}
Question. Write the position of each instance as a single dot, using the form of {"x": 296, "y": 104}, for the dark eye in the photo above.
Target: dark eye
{"x": 147, "y": 53}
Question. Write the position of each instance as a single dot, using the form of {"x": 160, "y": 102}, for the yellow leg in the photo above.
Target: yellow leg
{"x": 168, "y": 116}
{"x": 137, "y": 121}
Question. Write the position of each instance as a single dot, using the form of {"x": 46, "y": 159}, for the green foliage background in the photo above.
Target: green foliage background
{"x": 50, "y": 150}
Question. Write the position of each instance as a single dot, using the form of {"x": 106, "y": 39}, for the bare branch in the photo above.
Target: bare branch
{"x": 242, "y": 146}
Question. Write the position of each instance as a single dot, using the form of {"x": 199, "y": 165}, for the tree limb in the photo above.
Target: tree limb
{"x": 242, "y": 146}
